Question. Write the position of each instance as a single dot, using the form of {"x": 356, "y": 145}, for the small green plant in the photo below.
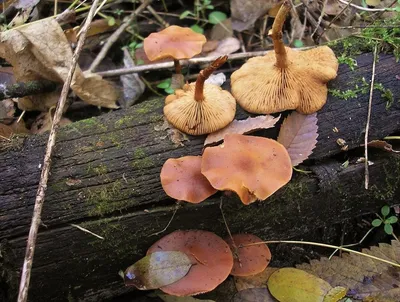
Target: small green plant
{"x": 166, "y": 85}
{"x": 386, "y": 221}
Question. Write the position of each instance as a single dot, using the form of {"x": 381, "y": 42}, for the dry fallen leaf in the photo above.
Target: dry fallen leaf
{"x": 40, "y": 50}
{"x": 254, "y": 295}
{"x": 43, "y": 123}
{"x": 299, "y": 136}
{"x": 382, "y": 145}
{"x": 255, "y": 281}
{"x": 225, "y": 47}
{"x": 246, "y": 126}
{"x": 216, "y": 79}
{"x": 5, "y": 132}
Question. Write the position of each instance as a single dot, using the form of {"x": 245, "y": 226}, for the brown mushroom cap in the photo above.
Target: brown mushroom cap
{"x": 215, "y": 112}
{"x": 253, "y": 167}
{"x": 181, "y": 179}
{"x": 210, "y": 253}
{"x": 175, "y": 42}
{"x": 251, "y": 259}
{"x": 260, "y": 86}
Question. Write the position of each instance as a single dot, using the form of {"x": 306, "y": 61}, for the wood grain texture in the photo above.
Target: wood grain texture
{"x": 105, "y": 177}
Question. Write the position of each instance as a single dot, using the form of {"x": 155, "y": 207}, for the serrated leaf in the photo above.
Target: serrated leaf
{"x": 254, "y": 295}
{"x": 246, "y": 126}
{"x": 365, "y": 278}
{"x": 385, "y": 210}
{"x": 299, "y": 135}
{"x": 157, "y": 269}
{"x": 376, "y": 222}
{"x": 216, "y": 17}
{"x": 254, "y": 281}
{"x": 392, "y": 219}
{"x": 294, "y": 285}
{"x": 388, "y": 229}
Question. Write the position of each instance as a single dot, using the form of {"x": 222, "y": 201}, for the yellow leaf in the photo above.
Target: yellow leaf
{"x": 373, "y": 2}
{"x": 294, "y": 285}
{"x": 335, "y": 294}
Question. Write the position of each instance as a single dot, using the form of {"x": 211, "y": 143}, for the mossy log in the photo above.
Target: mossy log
{"x": 105, "y": 178}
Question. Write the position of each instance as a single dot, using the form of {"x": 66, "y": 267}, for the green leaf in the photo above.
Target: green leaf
{"x": 169, "y": 90}
{"x": 139, "y": 62}
{"x": 197, "y": 29}
{"x": 138, "y": 45}
{"x": 157, "y": 269}
{"x": 298, "y": 43}
{"x": 210, "y": 6}
{"x": 185, "y": 14}
{"x": 392, "y": 219}
{"x": 388, "y": 229}
{"x": 164, "y": 84}
{"x": 111, "y": 21}
{"x": 291, "y": 284}
{"x": 385, "y": 210}
{"x": 376, "y": 222}
{"x": 216, "y": 17}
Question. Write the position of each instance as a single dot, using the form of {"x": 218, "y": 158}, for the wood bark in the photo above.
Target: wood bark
{"x": 105, "y": 178}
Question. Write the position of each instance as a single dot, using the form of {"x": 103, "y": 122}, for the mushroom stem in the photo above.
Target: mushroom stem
{"x": 279, "y": 47}
{"x": 178, "y": 67}
{"x": 204, "y": 74}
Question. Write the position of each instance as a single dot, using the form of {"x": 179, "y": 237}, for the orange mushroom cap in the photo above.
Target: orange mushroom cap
{"x": 181, "y": 179}
{"x": 253, "y": 167}
{"x": 251, "y": 259}
{"x": 212, "y": 257}
{"x": 175, "y": 42}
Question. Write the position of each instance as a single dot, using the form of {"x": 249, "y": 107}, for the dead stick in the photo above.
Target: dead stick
{"x": 37, "y": 211}
{"x": 371, "y": 91}
{"x": 22, "y": 89}
{"x": 115, "y": 36}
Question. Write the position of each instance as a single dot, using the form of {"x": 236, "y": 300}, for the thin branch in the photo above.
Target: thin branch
{"x": 371, "y": 92}
{"x": 87, "y": 231}
{"x": 320, "y": 18}
{"x": 22, "y": 89}
{"x": 115, "y": 36}
{"x": 37, "y": 212}
{"x": 363, "y": 8}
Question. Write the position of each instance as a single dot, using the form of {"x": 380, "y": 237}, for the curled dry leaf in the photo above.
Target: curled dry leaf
{"x": 254, "y": 295}
{"x": 157, "y": 269}
{"x": 255, "y": 281}
{"x": 382, "y": 145}
{"x": 299, "y": 136}
{"x": 43, "y": 123}
{"x": 246, "y": 126}
{"x": 40, "y": 50}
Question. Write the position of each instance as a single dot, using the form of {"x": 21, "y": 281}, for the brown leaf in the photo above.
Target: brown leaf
{"x": 366, "y": 278}
{"x": 222, "y": 30}
{"x": 299, "y": 136}
{"x": 225, "y": 47}
{"x": 246, "y": 126}
{"x": 41, "y": 50}
{"x": 255, "y": 281}
{"x": 5, "y": 132}
{"x": 43, "y": 123}
{"x": 382, "y": 145}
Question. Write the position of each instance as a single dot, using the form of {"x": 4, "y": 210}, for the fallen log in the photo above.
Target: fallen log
{"x": 105, "y": 178}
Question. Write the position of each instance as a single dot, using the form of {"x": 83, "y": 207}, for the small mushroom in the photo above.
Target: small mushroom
{"x": 201, "y": 108}
{"x": 286, "y": 80}
{"x": 210, "y": 254}
{"x": 181, "y": 179}
{"x": 174, "y": 42}
{"x": 253, "y": 167}
{"x": 250, "y": 260}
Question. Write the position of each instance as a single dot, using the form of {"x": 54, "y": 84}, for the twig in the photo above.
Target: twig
{"x": 363, "y": 8}
{"x": 323, "y": 245}
{"x": 87, "y": 231}
{"x": 177, "y": 206}
{"x": 320, "y": 18}
{"x": 22, "y": 89}
{"x": 168, "y": 65}
{"x": 37, "y": 212}
{"x": 115, "y": 36}
{"x": 371, "y": 91}
{"x": 157, "y": 16}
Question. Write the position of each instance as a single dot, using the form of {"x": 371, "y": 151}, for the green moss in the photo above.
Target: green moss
{"x": 141, "y": 160}
{"x": 124, "y": 121}
{"x": 148, "y": 107}
{"x": 89, "y": 124}
{"x": 392, "y": 181}
{"x": 107, "y": 199}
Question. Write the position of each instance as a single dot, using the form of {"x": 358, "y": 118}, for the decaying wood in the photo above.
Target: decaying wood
{"x": 105, "y": 178}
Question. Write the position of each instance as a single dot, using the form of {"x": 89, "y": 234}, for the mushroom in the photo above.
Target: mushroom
{"x": 210, "y": 254}
{"x": 253, "y": 167}
{"x": 181, "y": 179}
{"x": 201, "y": 108}
{"x": 174, "y": 42}
{"x": 289, "y": 79}
{"x": 250, "y": 260}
